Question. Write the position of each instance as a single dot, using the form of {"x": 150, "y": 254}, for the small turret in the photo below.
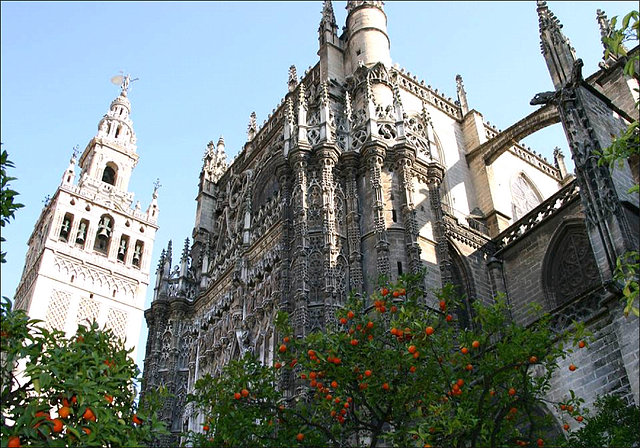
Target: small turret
{"x": 70, "y": 174}
{"x": 367, "y": 39}
{"x": 152, "y": 210}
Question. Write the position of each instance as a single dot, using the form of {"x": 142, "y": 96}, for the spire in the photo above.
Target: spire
{"x": 215, "y": 161}
{"x": 556, "y": 48}
{"x": 462, "y": 95}
{"x": 328, "y": 28}
{"x": 302, "y": 114}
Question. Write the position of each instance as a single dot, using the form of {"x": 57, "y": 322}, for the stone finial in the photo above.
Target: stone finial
{"x": 348, "y": 111}
{"x": 289, "y": 115}
{"x": 605, "y": 31}
{"x": 252, "y": 129}
{"x": 185, "y": 250}
{"x": 293, "y": 78}
{"x": 324, "y": 86}
{"x": 558, "y": 161}
{"x": 462, "y": 95}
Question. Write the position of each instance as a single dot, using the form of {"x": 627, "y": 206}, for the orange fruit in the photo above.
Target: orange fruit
{"x": 300, "y": 437}
{"x": 350, "y": 315}
{"x": 412, "y": 369}
{"x": 205, "y": 428}
{"x": 135, "y": 419}
{"x": 354, "y": 342}
{"x": 334, "y": 384}
{"x": 14, "y": 442}
{"x": 283, "y": 348}
{"x": 385, "y": 386}
{"x": 384, "y": 291}
{"x": 396, "y": 293}
{"x": 277, "y": 365}
{"x": 429, "y": 331}
{"x": 566, "y": 427}
{"x": 540, "y": 442}
{"x": 89, "y": 415}
{"x": 286, "y": 339}
{"x": 109, "y": 398}
{"x": 475, "y": 344}
{"x": 237, "y": 395}
{"x": 460, "y": 382}
{"x": 449, "y": 318}
{"x": 469, "y": 367}
{"x": 394, "y": 309}
{"x": 369, "y": 325}
{"x": 416, "y": 355}
{"x": 464, "y": 350}
{"x": 57, "y": 425}
{"x": 512, "y": 391}
{"x": 343, "y": 320}
{"x": 64, "y": 412}
{"x": 412, "y": 349}
{"x": 245, "y": 393}
{"x": 572, "y": 367}
{"x": 443, "y": 305}
{"x": 579, "y": 418}
{"x": 533, "y": 359}
{"x": 367, "y": 372}
{"x": 86, "y": 430}
{"x": 581, "y": 344}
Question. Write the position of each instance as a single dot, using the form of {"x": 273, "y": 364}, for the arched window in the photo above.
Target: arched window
{"x": 137, "y": 254}
{"x": 103, "y": 235}
{"x": 462, "y": 282}
{"x": 65, "y": 229}
{"x": 81, "y": 234}
{"x": 109, "y": 174}
{"x": 569, "y": 267}
{"x": 524, "y": 195}
{"x": 123, "y": 248}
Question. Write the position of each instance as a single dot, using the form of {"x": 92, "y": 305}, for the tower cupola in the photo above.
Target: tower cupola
{"x": 367, "y": 39}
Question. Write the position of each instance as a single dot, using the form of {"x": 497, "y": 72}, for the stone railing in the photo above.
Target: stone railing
{"x": 538, "y": 215}
{"x": 418, "y": 88}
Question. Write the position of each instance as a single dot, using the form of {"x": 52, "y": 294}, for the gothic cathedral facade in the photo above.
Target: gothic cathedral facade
{"x": 89, "y": 255}
{"x": 362, "y": 170}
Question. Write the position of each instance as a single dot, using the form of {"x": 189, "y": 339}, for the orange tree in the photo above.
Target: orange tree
{"x": 69, "y": 392}
{"x": 393, "y": 372}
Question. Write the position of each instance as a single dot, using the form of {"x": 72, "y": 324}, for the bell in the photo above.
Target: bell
{"x": 80, "y": 238}
{"x": 123, "y": 248}
{"x": 104, "y": 232}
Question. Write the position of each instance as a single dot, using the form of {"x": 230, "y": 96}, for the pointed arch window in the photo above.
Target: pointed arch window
{"x": 569, "y": 268}
{"x": 110, "y": 174}
{"x": 103, "y": 235}
{"x": 524, "y": 195}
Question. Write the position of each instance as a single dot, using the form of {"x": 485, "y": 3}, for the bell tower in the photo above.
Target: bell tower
{"x": 89, "y": 255}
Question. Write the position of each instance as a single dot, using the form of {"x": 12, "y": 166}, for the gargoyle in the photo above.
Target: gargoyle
{"x": 543, "y": 98}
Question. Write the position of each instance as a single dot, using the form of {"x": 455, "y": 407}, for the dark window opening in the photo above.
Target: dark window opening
{"x": 103, "y": 236}
{"x": 109, "y": 176}
{"x": 394, "y": 215}
{"x": 399, "y": 268}
{"x": 81, "y": 235}
{"x": 123, "y": 248}
{"x": 137, "y": 254}
{"x": 65, "y": 229}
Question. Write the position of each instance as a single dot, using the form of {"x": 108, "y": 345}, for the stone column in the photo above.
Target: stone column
{"x": 328, "y": 157}
{"x": 434, "y": 180}
{"x": 298, "y": 160}
{"x": 404, "y": 168}
{"x": 354, "y": 238}
{"x": 284, "y": 179}
{"x": 374, "y": 155}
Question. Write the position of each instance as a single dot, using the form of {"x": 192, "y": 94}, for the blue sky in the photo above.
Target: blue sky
{"x": 205, "y": 66}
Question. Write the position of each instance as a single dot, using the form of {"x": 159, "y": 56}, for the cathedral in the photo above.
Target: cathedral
{"x": 363, "y": 171}
{"x": 89, "y": 255}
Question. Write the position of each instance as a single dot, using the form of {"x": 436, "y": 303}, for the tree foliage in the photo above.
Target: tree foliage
{"x": 69, "y": 392}
{"x": 393, "y": 372}
{"x": 8, "y": 205}
{"x": 615, "y": 425}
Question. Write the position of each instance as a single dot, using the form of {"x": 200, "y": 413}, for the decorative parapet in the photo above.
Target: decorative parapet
{"x": 538, "y": 215}
{"x": 433, "y": 97}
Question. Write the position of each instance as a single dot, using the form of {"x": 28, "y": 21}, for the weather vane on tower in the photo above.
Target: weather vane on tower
{"x": 123, "y": 81}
